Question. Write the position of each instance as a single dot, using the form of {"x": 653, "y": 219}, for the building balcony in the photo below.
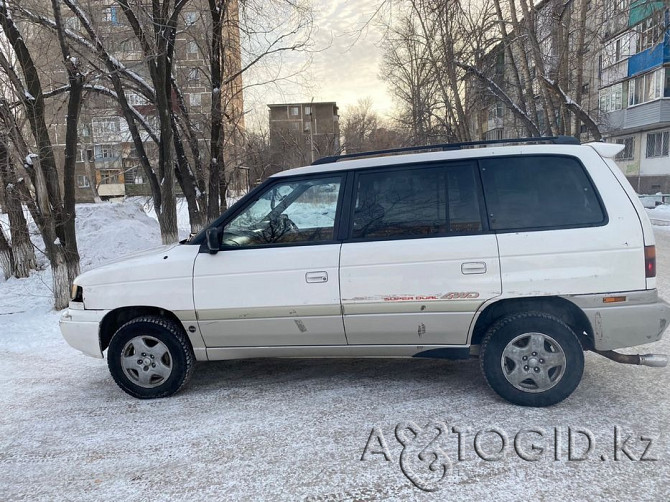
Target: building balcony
{"x": 650, "y": 58}
{"x": 112, "y": 190}
{"x": 639, "y": 117}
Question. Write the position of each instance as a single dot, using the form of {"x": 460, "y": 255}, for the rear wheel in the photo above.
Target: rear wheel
{"x": 150, "y": 357}
{"x": 532, "y": 359}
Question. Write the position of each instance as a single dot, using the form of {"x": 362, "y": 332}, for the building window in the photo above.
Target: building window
{"x": 104, "y": 152}
{"x": 616, "y": 50}
{"x": 110, "y": 15}
{"x": 646, "y": 87}
{"x": 657, "y": 144}
{"x": 191, "y": 50}
{"x": 86, "y": 155}
{"x": 134, "y": 176}
{"x": 135, "y": 99}
{"x": 650, "y": 31}
{"x": 628, "y": 153}
{"x": 194, "y": 76}
{"x": 294, "y": 111}
{"x": 611, "y": 98}
{"x": 500, "y": 64}
{"x": 85, "y": 131}
{"x": 308, "y": 110}
{"x": 189, "y": 18}
{"x": 106, "y": 126}
{"x": 109, "y": 176}
{"x": 496, "y": 111}
{"x": 83, "y": 182}
{"x": 195, "y": 99}
{"x": 308, "y": 126}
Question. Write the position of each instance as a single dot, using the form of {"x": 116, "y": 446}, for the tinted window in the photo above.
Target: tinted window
{"x": 404, "y": 203}
{"x": 538, "y": 192}
{"x": 287, "y": 213}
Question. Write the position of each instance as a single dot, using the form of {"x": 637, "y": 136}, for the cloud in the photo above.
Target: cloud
{"x": 345, "y": 67}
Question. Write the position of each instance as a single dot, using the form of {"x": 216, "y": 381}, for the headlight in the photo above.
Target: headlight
{"x": 77, "y": 294}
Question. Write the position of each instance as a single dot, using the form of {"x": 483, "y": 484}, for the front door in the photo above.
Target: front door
{"x": 275, "y": 280}
{"x": 419, "y": 262}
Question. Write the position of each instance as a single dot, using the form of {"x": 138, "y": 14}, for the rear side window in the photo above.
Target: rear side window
{"x": 535, "y": 192}
{"x": 416, "y": 202}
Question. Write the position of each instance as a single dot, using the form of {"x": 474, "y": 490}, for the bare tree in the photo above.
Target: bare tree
{"x": 530, "y": 57}
{"x": 54, "y": 212}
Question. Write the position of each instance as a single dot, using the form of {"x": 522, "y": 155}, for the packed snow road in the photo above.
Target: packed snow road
{"x": 319, "y": 429}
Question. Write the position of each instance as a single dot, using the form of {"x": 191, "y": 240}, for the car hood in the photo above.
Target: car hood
{"x": 153, "y": 262}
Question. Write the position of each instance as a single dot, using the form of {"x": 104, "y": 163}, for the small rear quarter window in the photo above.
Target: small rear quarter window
{"x": 539, "y": 192}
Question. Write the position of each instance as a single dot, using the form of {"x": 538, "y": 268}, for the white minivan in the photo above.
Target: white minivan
{"x": 524, "y": 256}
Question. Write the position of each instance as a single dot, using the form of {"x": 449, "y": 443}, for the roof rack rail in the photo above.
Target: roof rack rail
{"x": 558, "y": 140}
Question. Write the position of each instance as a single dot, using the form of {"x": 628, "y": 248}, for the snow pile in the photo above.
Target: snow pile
{"x": 104, "y": 232}
{"x": 660, "y": 215}
{"x": 111, "y": 230}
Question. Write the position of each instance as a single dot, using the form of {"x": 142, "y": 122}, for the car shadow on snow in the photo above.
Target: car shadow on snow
{"x": 342, "y": 374}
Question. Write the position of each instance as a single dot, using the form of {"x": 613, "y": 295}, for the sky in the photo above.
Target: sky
{"x": 344, "y": 67}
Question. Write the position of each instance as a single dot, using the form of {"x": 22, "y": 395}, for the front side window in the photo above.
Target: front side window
{"x": 291, "y": 212}
{"x": 417, "y": 202}
{"x": 536, "y": 192}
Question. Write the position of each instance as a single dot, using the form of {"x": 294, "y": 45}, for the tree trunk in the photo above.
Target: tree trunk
{"x": 23, "y": 254}
{"x": 187, "y": 183}
{"x": 90, "y": 175}
{"x": 6, "y": 257}
{"x": 61, "y": 281}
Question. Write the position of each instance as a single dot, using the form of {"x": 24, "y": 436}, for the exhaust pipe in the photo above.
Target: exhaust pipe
{"x": 653, "y": 360}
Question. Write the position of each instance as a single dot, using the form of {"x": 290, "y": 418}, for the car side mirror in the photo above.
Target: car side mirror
{"x": 212, "y": 237}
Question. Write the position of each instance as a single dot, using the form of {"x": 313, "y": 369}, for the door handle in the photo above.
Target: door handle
{"x": 316, "y": 277}
{"x": 473, "y": 267}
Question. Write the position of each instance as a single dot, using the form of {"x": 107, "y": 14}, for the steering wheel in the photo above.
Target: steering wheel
{"x": 288, "y": 224}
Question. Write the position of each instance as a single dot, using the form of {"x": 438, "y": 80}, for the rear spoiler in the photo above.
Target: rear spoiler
{"x": 606, "y": 150}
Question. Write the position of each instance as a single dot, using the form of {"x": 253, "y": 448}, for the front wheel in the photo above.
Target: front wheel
{"x": 150, "y": 357}
{"x": 532, "y": 359}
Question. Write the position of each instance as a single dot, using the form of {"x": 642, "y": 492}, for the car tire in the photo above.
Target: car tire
{"x": 150, "y": 357}
{"x": 532, "y": 359}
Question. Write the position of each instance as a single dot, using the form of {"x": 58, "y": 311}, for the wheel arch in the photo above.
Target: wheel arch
{"x": 564, "y": 309}
{"x": 116, "y": 318}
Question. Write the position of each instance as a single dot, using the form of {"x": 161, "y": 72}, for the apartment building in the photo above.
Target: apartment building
{"x": 519, "y": 72}
{"x": 301, "y": 133}
{"x": 625, "y": 87}
{"x": 107, "y": 158}
{"x": 635, "y": 90}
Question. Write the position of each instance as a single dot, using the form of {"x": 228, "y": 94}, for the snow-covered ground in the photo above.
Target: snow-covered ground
{"x": 297, "y": 429}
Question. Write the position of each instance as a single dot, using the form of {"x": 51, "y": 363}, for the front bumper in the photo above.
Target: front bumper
{"x": 81, "y": 329}
{"x": 641, "y": 318}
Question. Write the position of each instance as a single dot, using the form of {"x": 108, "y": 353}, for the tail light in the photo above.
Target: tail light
{"x": 650, "y": 261}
